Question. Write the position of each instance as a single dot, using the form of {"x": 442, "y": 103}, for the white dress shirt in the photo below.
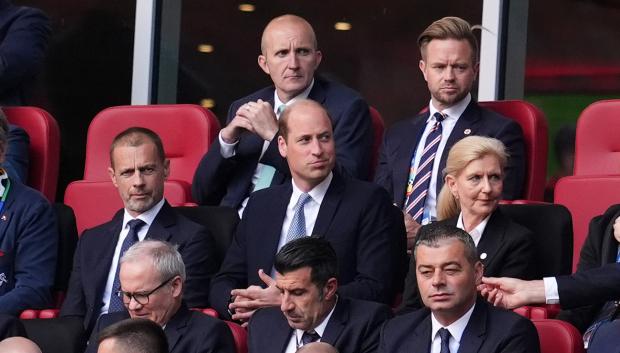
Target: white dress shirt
{"x": 456, "y": 332}
{"x": 148, "y": 218}
{"x": 295, "y": 342}
{"x": 451, "y": 115}
{"x": 228, "y": 150}
{"x": 475, "y": 233}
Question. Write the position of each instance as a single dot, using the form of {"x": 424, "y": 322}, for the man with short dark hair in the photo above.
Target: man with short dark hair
{"x": 415, "y": 151}
{"x": 356, "y": 217}
{"x": 455, "y": 319}
{"x": 133, "y": 336}
{"x": 311, "y": 310}
{"x": 152, "y": 278}
{"x": 138, "y": 169}
{"x": 245, "y": 156}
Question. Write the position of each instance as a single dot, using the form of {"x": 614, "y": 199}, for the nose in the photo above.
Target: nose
{"x": 293, "y": 61}
{"x": 287, "y": 304}
{"x": 316, "y": 148}
{"x": 449, "y": 74}
{"x": 137, "y": 179}
{"x": 133, "y": 304}
{"x": 486, "y": 185}
{"x": 438, "y": 279}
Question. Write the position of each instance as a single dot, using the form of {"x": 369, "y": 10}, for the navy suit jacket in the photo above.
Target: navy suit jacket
{"x": 95, "y": 250}
{"x": 401, "y": 140}
{"x": 352, "y": 328}
{"x": 355, "y": 217}
{"x": 28, "y": 250}
{"x": 509, "y": 252}
{"x": 24, "y": 32}
{"x": 599, "y": 249}
{"x": 16, "y": 160}
{"x": 489, "y": 330}
{"x": 187, "y": 332}
{"x": 227, "y": 181}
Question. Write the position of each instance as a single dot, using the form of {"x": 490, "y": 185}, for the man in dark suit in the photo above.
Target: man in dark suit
{"x": 356, "y": 217}
{"x": 410, "y": 163}
{"x": 28, "y": 242}
{"x": 245, "y": 157}
{"x": 152, "y": 277}
{"x": 138, "y": 170}
{"x": 455, "y": 319}
{"x": 133, "y": 336}
{"x": 311, "y": 310}
{"x": 24, "y": 33}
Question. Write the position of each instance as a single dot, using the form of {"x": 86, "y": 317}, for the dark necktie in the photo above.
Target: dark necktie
{"x": 297, "y": 229}
{"x": 445, "y": 340}
{"x": 607, "y": 313}
{"x": 116, "y": 304}
{"x": 418, "y": 183}
{"x": 309, "y": 337}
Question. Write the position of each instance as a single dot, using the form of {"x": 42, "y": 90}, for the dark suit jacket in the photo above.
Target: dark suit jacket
{"x": 352, "y": 328}
{"x": 16, "y": 160}
{"x": 600, "y": 248}
{"x": 187, "y": 332}
{"x": 400, "y": 142}
{"x": 95, "y": 250}
{"x": 227, "y": 182}
{"x": 24, "y": 32}
{"x": 28, "y": 250}
{"x": 509, "y": 252}
{"x": 355, "y": 217}
{"x": 489, "y": 330}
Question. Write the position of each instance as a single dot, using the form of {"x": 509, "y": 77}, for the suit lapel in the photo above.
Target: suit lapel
{"x": 280, "y": 334}
{"x": 317, "y": 93}
{"x": 405, "y": 151}
{"x": 176, "y": 326}
{"x": 271, "y": 231}
{"x": 476, "y": 328}
{"x": 7, "y": 214}
{"x": 159, "y": 229}
{"x": 420, "y": 335}
{"x": 336, "y": 323}
{"x": 101, "y": 260}
{"x": 329, "y": 206}
{"x": 492, "y": 237}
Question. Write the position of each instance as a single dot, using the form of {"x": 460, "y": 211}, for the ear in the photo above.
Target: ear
{"x": 319, "y": 56}
{"x": 166, "y": 168}
{"x": 282, "y": 146}
{"x": 451, "y": 182}
{"x": 177, "y": 287}
{"x": 422, "y": 66}
{"x": 329, "y": 291}
{"x": 112, "y": 176}
{"x": 476, "y": 68}
{"x": 478, "y": 272}
{"x": 262, "y": 62}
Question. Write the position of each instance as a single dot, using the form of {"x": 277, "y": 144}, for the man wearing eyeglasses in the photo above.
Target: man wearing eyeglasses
{"x": 152, "y": 276}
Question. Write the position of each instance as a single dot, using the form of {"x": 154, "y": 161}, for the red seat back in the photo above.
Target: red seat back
{"x": 44, "y": 150}
{"x": 240, "y": 336}
{"x": 186, "y": 132}
{"x": 378, "y": 127}
{"x": 558, "y": 336}
{"x": 534, "y": 126}
{"x": 596, "y": 142}
{"x": 586, "y": 197}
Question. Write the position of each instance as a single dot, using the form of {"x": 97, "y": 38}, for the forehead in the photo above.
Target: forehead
{"x": 308, "y": 119}
{"x": 287, "y": 32}
{"x": 488, "y": 162}
{"x": 448, "y": 251}
{"x": 301, "y": 278}
{"x": 126, "y": 155}
{"x": 453, "y": 49}
{"x": 137, "y": 274}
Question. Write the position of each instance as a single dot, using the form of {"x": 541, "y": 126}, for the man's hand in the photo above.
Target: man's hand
{"x": 617, "y": 229}
{"x": 512, "y": 293}
{"x": 412, "y": 228}
{"x": 230, "y": 134}
{"x": 247, "y": 301}
{"x": 260, "y": 114}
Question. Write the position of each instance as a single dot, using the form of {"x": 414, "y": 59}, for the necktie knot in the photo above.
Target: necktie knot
{"x": 135, "y": 224}
{"x": 444, "y": 334}
{"x": 280, "y": 110}
{"x": 303, "y": 200}
{"x": 309, "y": 337}
{"x": 439, "y": 117}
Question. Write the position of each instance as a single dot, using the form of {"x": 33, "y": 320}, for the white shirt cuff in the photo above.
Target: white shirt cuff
{"x": 551, "y": 290}
{"x": 227, "y": 150}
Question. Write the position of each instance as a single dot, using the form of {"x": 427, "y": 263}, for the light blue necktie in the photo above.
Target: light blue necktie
{"x": 298, "y": 224}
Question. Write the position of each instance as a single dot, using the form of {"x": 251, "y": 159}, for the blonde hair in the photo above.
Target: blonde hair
{"x": 465, "y": 151}
{"x": 449, "y": 28}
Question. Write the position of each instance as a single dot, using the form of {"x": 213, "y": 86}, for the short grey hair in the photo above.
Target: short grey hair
{"x": 164, "y": 256}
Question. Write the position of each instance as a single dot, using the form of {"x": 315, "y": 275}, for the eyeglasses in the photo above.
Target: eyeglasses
{"x": 141, "y": 298}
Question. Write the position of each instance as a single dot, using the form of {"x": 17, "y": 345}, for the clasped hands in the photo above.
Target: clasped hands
{"x": 257, "y": 117}
{"x": 248, "y": 300}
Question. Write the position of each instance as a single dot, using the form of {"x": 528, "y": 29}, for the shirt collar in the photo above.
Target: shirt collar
{"x": 453, "y": 112}
{"x": 320, "y": 328}
{"x": 147, "y": 216}
{"x": 303, "y": 95}
{"x": 475, "y": 233}
{"x": 456, "y": 328}
{"x": 3, "y": 176}
{"x": 317, "y": 193}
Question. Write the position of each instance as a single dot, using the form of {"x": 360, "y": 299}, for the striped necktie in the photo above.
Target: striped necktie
{"x": 418, "y": 184}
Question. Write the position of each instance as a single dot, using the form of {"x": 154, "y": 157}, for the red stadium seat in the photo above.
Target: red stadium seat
{"x": 240, "y": 335}
{"x": 558, "y": 337}
{"x": 597, "y": 144}
{"x": 378, "y": 127}
{"x": 44, "y": 148}
{"x": 586, "y": 197}
{"x": 186, "y": 131}
{"x": 534, "y": 126}
{"x": 29, "y": 314}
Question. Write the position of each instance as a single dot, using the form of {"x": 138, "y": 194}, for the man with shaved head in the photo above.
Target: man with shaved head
{"x": 18, "y": 345}
{"x": 245, "y": 157}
